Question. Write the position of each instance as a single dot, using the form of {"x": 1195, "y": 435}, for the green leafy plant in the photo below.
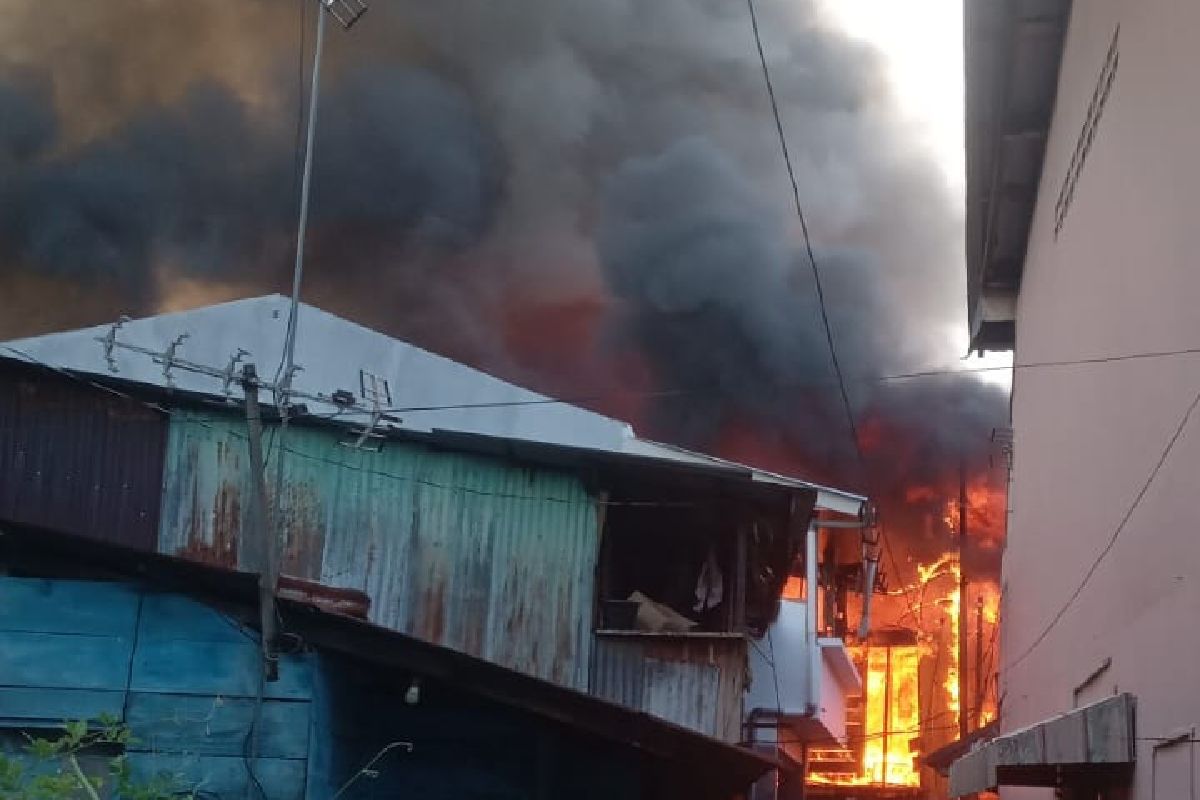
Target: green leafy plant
{"x": 51, "y": 768}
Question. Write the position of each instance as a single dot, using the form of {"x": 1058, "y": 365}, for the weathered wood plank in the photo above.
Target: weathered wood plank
{"x": 172, "y": 616}
{"x": 217, "y": 725}
{"x": 224, "y": 668}
{"x": 64, "y": 661}
{"x": 224, "y": 776}
{"x": 36, "y": 605}
{"x": 50, "y": 707}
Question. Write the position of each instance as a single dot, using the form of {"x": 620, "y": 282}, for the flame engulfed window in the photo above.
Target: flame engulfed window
{"x": 910, "y": 703}
{"x": 891, "y": 715}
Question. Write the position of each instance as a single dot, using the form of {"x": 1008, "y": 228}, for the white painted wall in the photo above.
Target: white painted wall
{"x": 789, "y": 641}
{"x": 1122, "y": 277}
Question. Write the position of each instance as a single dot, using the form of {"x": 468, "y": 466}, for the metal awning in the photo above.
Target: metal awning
{"x": 1084, "y": 744}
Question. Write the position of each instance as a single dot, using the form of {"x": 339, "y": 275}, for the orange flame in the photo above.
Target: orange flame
{"x": 891, "y": 713}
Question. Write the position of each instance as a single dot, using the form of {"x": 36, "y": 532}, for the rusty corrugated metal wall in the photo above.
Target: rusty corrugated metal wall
{"x": 481, "y": 555}
{"x": 694, "y": 681}
{"x": 78, "y": 459}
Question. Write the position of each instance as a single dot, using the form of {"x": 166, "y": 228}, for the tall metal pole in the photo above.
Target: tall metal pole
{"x": 289, "y": 346}
{"x": 278, "y": 532}
{"x": 964, "y": 715}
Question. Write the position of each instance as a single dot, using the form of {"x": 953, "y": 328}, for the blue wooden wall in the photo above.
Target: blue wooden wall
{"x": 184, "y": 677}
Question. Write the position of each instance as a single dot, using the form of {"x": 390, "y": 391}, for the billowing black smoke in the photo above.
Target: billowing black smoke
{"x": 203, "y": 188}
{"x": 474, "y": 157}
{"x": 710, "y": 288}
{"x": 724, "y": 303}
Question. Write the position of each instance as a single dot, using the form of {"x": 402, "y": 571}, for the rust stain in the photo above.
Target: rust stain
{"x": 350, "y": 602}
{"x": 222, "y": 548}
{"x": 432, "y": 620}
{"x": 564, "y": 652}
{"x": 304, "y": 552}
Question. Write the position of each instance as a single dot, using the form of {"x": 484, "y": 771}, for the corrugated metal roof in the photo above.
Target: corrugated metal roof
{"x": 332, "y": 350}
{"x": 471, "y": 552}
{"x": 694, "y": 681}
{"x": 77, "y": 460}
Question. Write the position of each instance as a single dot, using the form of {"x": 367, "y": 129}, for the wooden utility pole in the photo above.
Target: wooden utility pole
{"x": 963, "y": 712}
{"x": 264, "y": 529}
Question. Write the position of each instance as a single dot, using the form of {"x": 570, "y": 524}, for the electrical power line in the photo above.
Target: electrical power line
{"x": 812, "y": 259}
{"x": 1112, "y": 540}
{"x": 1041, "y": 637}
{"x": 886, "y": 378}
{"x": 581, "y": 400}
{"x": 826, "y": 326}
{"x": 188, "y": 418}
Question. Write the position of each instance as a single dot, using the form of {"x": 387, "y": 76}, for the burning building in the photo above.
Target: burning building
{"x": 583, "y": 197}
{"x": 928, "y": 664}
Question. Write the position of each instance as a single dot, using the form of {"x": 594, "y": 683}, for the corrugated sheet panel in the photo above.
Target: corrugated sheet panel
{"x": 693, "y": 681}
{"x": 481, "y": 555}
{"x": 79, "y": 460}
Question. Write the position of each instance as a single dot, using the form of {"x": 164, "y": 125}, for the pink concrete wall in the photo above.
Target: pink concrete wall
{"x": 1122, "y": 277}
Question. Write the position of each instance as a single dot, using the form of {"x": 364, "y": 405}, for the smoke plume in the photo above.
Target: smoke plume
{"x": 609, "y": 168}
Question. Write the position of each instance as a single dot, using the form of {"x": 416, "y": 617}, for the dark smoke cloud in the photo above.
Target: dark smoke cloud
{"x": 29, "y": 121}
{"x": 723, "y": 302}
{"x": 706, "y": 275}
{"x": 475, "y": 157}
{"x": 205, "y": 187}
{"x": 105, "y": 211}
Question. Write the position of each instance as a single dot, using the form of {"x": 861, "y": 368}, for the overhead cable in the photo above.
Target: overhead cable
{"x": 1112, "y": 540}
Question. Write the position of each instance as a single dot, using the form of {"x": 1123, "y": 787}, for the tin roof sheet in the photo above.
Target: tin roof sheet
{"x": 428, "y": 392}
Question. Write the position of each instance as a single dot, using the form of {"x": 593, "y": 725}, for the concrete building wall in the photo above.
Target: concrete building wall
{"x": 1122, "y": 276}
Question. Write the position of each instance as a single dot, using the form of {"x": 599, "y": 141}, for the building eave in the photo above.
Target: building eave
{"x": 1012, "y": 53}
{"x": 1095, "y": 742}
{"x": 434, "y": 396}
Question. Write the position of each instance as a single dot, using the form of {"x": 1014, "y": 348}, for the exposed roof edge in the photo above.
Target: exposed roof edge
{"x": 828, "y": 499}
{"x": 1013, "y": 50}
{"x": 943, "y": 757}
{"x": 423, "y": 382}
{"x": 1095, "y": 741}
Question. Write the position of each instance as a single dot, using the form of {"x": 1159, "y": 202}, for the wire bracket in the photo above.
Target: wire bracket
{"x": 169, "y": 360}
{"x": 232, "y": 373}
{"x": 109, "y": 340}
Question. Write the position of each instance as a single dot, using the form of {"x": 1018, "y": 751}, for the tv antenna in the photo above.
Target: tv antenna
{"x": 378, "y": 394}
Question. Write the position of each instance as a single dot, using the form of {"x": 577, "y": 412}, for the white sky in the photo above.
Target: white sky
{"x": 922, "y": 42}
